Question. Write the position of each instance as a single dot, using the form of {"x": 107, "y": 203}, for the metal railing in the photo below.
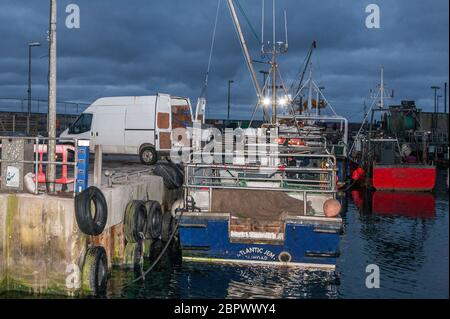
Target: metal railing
{"x": 302, "y": 180}
{"x": 40, "y": 143}
{"x": 40, "y": 106}
{"x": 318, "y": 175}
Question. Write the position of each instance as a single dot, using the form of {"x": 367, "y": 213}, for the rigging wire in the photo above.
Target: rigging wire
{"x": 241, "y": 9}
{"x": 213, "y": 41}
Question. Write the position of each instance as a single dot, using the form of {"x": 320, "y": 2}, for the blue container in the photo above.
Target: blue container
{"x": 82, "y": 177}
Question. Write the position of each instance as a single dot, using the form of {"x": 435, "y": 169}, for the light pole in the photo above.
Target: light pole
{"x": 229, "y": 98}
{"x": 435, "y": 88}
{"x": 30, "y": 45}
{"x": 437, "y": 102}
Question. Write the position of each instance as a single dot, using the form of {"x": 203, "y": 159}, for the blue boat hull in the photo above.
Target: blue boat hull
{"x": 306, "y": 241}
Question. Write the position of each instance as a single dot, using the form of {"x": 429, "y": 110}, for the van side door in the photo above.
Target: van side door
{"x": 108, "y": 129}
{"x": 163, "y": 134}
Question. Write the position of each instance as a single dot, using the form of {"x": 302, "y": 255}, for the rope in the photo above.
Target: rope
{"x": 248, "y": 21}
{"x": 213, "y": 41}
{"x": 163, "y": 251}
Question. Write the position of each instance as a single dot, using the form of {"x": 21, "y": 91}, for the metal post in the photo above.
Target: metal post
{"x": 434, "y": 119}
{"x": 445, "y": 97}
{"x": 229, "y": 98}
{"x": 30, "y": 45}
{"x": 51, "y": 169}
{"x": 29, "y": 91}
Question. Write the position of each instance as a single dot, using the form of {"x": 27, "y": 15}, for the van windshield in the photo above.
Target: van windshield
{"x": 82, "y": 124}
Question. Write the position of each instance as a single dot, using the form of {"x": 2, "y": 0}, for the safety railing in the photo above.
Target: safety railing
{"x": 64, "y": 147}
{"x": 305, "y": 180}
{"x": 296, "y": 172}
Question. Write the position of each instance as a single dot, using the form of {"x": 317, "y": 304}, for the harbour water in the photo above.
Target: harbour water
{"x": 411, "y": 252}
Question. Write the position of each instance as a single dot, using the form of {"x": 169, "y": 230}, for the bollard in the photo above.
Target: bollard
{"x": 82, "y": 166}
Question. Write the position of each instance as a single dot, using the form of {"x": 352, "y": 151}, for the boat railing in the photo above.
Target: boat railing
{"x": 294, "y": 173}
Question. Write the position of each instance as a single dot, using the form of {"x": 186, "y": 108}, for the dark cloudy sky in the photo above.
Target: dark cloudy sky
{"x": 140, "y": 47}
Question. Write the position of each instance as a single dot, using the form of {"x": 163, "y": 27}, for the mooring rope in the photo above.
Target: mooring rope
{"x": 163, "y": 251}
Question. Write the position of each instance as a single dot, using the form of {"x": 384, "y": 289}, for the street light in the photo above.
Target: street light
{"x": 229, "y": 98}
{"x": 434, "y": 120}
{"x": 437, "y": 102}
{"x": 30, "y": 45}
{"x": 435, "y": 88}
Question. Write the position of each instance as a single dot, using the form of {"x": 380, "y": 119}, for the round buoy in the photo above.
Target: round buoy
{"x": 331, "y": 207}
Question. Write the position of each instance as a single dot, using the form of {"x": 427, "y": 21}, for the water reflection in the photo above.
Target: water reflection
{"x": 173, "y": 279}
{"x": 406, "y": 235}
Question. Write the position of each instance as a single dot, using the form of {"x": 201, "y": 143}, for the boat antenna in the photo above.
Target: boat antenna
{"x": 262, "y": 27}
{"x": 286, "y": 30}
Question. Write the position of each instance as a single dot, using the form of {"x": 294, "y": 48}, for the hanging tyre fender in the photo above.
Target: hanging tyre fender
{"x": 170, "y": 174}
{"x": 168, "y": 226}
{"x": 134, "y": 224}
{"x": 94, "y": 274}
{"x": 133, "y": 254}
{"x": 154, "y": 220}
{"x": 91, "y": 211}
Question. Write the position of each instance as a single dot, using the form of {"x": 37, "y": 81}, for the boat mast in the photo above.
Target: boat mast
{"x": 248, "y": 59}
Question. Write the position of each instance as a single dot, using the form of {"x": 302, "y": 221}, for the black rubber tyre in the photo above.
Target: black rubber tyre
{"x": 91, "y": 211}
{"x": 135, "y": 221}
{"x": 95, "y": 271}
{"x": 168, "y": 226}
{"x": 154, "y": 220}
{"x": 133, "y": 254}
{"x": 179, "y": 171}
{"x": 171, "y": 176}
{"x": 148, "y": 155}
{"x": 147, "y": 247}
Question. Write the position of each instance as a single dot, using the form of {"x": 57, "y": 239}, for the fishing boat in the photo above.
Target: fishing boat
{"x": 262, "y": 214}
{"x": 385, "y": 162}
{"x": 258, "y": 203}
{"x": 308, "y": 126}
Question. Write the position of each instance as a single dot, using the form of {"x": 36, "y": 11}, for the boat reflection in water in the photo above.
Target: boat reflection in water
{"x": 406, "y": 204}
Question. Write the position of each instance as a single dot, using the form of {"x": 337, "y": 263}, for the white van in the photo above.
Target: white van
{"x": 139, "y": 125}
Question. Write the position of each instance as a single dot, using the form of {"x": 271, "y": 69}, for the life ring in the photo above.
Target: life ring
{"x": 91, "y": 211}
{"x": 154, "y": 220}
{"x": 95, "y": 271}
{"x": 135, "y": 221}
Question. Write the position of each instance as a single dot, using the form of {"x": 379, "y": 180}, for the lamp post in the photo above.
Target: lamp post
{"x": 229, "y": 98}
{"x": 437, "y": 102}
{"x": 30, "y": 45}
{"x": 435, "y": 88}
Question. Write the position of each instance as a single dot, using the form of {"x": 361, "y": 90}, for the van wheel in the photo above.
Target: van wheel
{"x": 148, "y": 155}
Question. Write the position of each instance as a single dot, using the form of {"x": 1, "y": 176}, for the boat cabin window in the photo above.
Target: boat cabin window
{"x": 82, "y": 124}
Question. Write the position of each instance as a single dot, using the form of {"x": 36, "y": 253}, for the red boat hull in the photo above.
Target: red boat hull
{"x": 404, "y": 204}
{"x": 404, "y": 177}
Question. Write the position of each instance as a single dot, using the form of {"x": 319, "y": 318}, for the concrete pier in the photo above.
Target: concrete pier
{"x": 41, "y": 247}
